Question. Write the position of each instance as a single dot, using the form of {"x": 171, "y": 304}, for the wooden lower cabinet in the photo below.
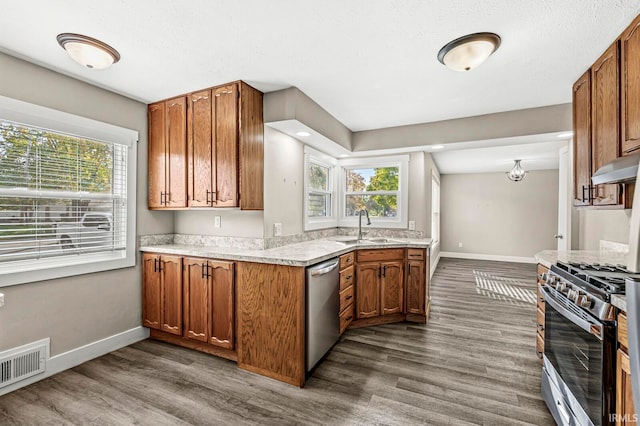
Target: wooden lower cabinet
{"x": 368, "y": 290}
{"x": 416, "y": 289}
{"x": 540, "y": 311}
{"x": 625, "y": 411}
{"x": 392, "y": 288}
{"x": 192, "y": 299}
{"x": 209, "y": 301}
{"x": 162, "y": 293}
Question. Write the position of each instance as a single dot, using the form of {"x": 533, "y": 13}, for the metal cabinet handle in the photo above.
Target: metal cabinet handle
{"x": 540, "y": 327}
{"x": 348, "y": 277}
{"x": 349, "y": 318}
{"x": 348, "y": 297}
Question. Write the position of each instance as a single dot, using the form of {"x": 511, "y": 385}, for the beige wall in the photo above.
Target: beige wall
{"x": 283, "y": 183}
{"x": 596, "y": 225}
{"x": 79, "y": 310}
{"x": 532, "y": 121}
{"x": 234, "y": 223}
{"x": 493, "y": 216}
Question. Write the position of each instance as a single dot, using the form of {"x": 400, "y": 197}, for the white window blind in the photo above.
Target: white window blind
{"x": 60, "y": 195}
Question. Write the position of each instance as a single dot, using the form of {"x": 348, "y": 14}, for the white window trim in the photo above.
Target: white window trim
{"x": 317, "y": 157}
{"x": 28, "y": 271}
{"x": 400, "y": 161}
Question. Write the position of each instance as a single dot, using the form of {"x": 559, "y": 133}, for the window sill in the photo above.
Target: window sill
{"x": 34, "y": 270}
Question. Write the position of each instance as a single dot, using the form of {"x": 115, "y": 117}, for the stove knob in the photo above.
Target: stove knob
{"x": 572, "y": 294}
{"x": 551, "y": 280}
{"x": 561, "y": 287}
{"x": 584, "y": 301}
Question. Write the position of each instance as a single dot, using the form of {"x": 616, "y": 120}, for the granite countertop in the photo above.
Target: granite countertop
{"x": 300, "y": 254}
{"x": 550, "y": 257}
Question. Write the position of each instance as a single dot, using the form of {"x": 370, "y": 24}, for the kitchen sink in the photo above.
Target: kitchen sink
{"x": 353, "y": 240}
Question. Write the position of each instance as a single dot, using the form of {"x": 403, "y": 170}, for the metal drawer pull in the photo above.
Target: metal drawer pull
{"x": 348, "y": 297}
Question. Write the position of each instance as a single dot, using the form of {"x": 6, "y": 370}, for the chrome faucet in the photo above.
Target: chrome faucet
{"x": 360, "y": 233}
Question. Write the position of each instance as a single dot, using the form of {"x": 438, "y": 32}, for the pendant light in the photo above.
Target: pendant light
{"x": 468, "y": 52}
{"x": 517, "y": 173}
{"x": 87, "y": 51}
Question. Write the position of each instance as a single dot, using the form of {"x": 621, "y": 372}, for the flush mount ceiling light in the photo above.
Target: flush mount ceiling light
{"x": 517, "y": 173}
{"x": 468, "y": 52}
{"x": 303, "y": 134}
{"x": 87, "y": 51}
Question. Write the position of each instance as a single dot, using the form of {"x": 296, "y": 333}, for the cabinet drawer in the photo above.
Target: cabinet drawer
{"x": 346, "y": 277}
{"x": 622, "y": 330}
{"x": 540, "y": 299}
{"x": 346, "y": 298}
{"x": 415, "y": 254}
{"x": 347, "y": 260}
{"x": 345, "y": 318}
{"x": 540, "y": 321}
{"x": 539, "y": 345}
{"x": 375, "y": 255}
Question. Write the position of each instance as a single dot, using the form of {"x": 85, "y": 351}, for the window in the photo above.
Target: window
{"x": 378, "y": 186}
{"x": 319, "y": 201}
{"x": 435, "y": 209}
{"x": 67, "y": 204}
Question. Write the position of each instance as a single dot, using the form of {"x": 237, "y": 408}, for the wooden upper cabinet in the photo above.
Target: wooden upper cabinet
{"x": 222, "y": 304}
{"x": 225, "y": 135}
{"x": 151, "y": 291}
{"x": 582, "y": 140}
{"x": 171, "y": 276}
{"x": 196, "y": 296}
{"x": 200, "y": 150}
{"x": 630, "y": 86}
{"x": 392, "y": 288}
{"x": 368, "y": 290}
{"x": 157, "y": 155}
{"x": 207, "y": 149}
{"x": 176, "y": 153}
{"x": 605, "y": 120}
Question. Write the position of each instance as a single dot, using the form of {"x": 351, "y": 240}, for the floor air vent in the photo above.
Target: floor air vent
{"x": 23, "y": 362}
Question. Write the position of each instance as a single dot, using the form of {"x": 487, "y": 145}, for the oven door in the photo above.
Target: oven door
{"x": 580, "y": 349}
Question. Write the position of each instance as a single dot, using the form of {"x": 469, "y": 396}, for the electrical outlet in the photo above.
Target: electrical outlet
{"x": 277, "y": 229}
{"x": 412, "y": 225}
{"x": 218, "y": 222}
{"x": 1, "y": 300}
{"x": 460, "y": 245}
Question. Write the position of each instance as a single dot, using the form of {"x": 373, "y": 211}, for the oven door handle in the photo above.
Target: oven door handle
{"x": 594, "y": 328}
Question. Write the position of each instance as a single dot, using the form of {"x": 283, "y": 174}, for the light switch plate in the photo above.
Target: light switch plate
{"x": 412, "y": 225}
{"x": 460, "y": 245}
{"x": 1, "y": 300}
{"x": 218, "y": 222}
{"x": 277, "y": 229}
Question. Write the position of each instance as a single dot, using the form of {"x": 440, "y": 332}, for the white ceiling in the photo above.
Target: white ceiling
{"x": 370, "y": 63}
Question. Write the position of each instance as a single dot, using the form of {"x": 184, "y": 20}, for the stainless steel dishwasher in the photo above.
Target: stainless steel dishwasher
{"x": 323, "y": 309}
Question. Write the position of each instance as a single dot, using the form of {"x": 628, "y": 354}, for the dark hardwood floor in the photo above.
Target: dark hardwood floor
{"x": 474, "y": 363}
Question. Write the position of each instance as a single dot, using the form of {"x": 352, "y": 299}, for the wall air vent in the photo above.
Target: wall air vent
{"x": 22, "y": 362}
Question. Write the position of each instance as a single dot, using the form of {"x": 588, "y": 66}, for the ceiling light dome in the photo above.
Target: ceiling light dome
{"x": 87, "y": 51}
{"x": 468, "y": 52}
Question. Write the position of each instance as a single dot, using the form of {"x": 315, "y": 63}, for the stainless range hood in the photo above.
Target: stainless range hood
{"x": 620, "y": 170}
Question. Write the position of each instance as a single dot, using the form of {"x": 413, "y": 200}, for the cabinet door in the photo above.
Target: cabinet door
{"x": 151, "y": 292}
{"x": 416, "y": 289}
{"x": 392, "y": 287}
{"x": 196, "y": 299}
{"x": 582, "y": 140}
{"x": 176, "y": 154}
{"x": 625, "y": 411}
{"x": 630, "y": 87}
{"x": 156, "y": 155}
{"x": 225, "y": 136}
{"x": 368, "y": 290}
{"x": 222, "y": 305}
{"x": 171, "y": 294}
{"x": 605, "y": 127}
{"x": 201, "y": 165}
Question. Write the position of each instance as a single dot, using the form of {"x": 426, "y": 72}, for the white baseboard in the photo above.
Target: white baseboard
{"x": 85, "y": 353}
{"x": 495, "y": 257}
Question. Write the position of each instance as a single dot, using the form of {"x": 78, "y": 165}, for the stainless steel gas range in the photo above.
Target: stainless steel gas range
{"x": 578, "y": 375}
